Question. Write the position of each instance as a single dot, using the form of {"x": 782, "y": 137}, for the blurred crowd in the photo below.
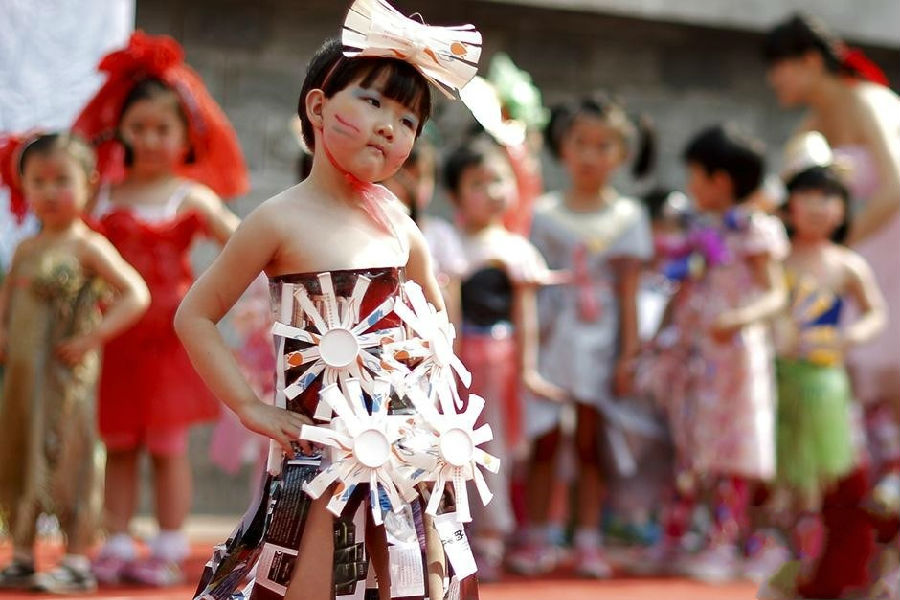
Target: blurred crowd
{"x": 701, "y": 382}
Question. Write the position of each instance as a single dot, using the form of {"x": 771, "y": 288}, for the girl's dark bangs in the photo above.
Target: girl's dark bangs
{"x": 400, "y": 82}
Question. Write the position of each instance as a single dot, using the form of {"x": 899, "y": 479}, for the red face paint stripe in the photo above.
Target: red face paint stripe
{"x": 345, "y": 123}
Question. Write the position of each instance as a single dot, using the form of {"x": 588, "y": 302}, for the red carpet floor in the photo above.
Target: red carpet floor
{"x": 518, "y": 588}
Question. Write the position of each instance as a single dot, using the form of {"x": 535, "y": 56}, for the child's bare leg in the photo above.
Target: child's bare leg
{"x": 120, "y": 491}
{"x": 313, "y": 573}
{"x": 379, "y": 559}
{"x": 173, "y": 491}
{"x": 540, "y": 477}
{"x": 436, "y": 567}
{"x": 589, "y": 561}
{"x": 589, "y": 474}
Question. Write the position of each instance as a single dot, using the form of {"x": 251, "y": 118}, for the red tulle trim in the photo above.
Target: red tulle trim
{"x": 862, "y": 66}
{"x": 218, "y": 161}
{"x": 11, "y": 147}
{"x": 372, "y": 197}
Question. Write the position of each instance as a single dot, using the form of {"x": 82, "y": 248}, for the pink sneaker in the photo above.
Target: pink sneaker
{"x": 592, "y": 564}
{"x": 109, "y": 568}
{"x": 532, "y": 560}
{"x": 155, "y": 572}
{"x": 715, "y": 564}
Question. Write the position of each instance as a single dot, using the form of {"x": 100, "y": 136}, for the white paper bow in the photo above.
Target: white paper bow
{"x": 446, "y": 56}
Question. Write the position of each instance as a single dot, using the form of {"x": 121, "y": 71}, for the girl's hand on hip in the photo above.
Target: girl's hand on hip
{"x": 72, "y": 351}
{"x": 281, "y": 425}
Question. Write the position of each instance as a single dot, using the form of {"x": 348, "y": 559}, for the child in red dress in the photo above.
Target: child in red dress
{"x": 161, "y": 141}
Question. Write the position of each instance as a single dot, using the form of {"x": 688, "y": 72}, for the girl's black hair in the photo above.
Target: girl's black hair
{"x": 727, "y": 149}
{"x": 655, "y": 202}
{"x": 155, "y": 89}
{"x": 473, "y": 153}
{"x": 48, "y": 143}
{"x": 828, "y": 181}
{"x": 330, "y": 71}
{"x": 563, "y": 116}
{"x": 801, "y": 34}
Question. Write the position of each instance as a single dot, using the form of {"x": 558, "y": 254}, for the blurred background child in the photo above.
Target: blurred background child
{"x": 589, "y": 327}
{"x": 161, "y": 141}
{"x": 51, "y": 332}
{"x": 722, "y": 415}
{"x": 499, "y": 323}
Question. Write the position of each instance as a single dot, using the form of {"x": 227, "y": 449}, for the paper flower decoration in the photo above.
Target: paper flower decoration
{"x": 454, "y": 457}
{"x": 361, "y": 449}
{"x": 432, "y": 346}
{"x": 339, "y": 348}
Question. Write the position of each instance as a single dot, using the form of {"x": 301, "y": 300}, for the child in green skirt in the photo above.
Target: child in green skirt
{"x": 815, "y": 436}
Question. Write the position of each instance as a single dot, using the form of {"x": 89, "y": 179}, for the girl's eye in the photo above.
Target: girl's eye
{"x": 373, "y": 101}
{"x": 409, "y": 122}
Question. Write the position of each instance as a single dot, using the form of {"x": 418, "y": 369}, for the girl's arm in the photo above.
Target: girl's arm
{"x": 526, "y": 324}
{"x": 247, "y": 253}
{"x": 418, "y": 267}
{"x": 770, "y": 277}
{"x": 5, "y": 294}
{"x": 879, "y": 129}
{"x": 629, "y": 274}
{"x": 221, "y": 222}
{"x": 863, "y": 288}
{"x": 101, "y": 257}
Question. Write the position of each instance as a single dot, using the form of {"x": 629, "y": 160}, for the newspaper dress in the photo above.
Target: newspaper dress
{"x": 363, "y": 354}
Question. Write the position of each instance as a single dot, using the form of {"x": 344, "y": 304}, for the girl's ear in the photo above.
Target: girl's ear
{"x": 314, "y": 104}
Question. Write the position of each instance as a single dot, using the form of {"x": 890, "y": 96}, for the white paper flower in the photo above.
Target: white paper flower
{"x": 449, "y": 455}
{"x": 339, "y": 347}
{"x": 361, "y": 448}
{"x": 432, "y": 345}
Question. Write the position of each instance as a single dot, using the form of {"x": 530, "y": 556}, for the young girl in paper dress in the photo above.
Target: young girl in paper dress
{"x": 161, "y": 141}
{"x": 589, "y": 327}
{"x": 363, "y": 358}
{"x": 51, "y": 331}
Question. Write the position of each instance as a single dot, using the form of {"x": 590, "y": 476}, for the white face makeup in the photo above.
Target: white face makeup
{"x": 368, "y": 134}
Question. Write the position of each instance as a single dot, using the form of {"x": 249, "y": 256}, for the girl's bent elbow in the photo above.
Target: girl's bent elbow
{"x": 182, "y": 321}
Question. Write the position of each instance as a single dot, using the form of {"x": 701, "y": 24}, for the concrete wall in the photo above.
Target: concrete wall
{"x": 253, "y": 54}
{"x": 872, "y": 21}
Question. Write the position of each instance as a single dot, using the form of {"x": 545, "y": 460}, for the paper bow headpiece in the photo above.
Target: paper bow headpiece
{"x": 446, "y": 56}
